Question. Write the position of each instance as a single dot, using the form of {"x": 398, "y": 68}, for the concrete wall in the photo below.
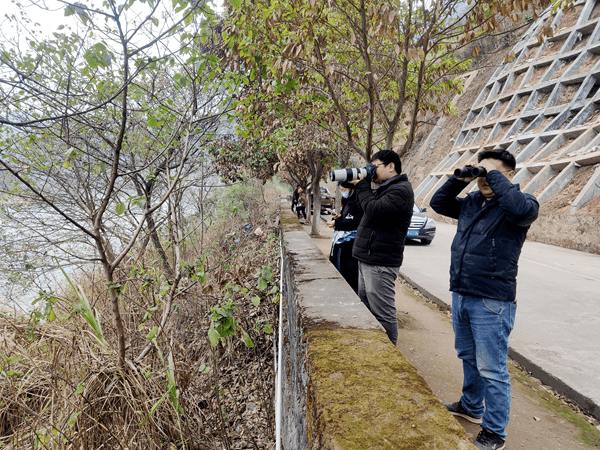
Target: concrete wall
{"x": 345, "y": 386}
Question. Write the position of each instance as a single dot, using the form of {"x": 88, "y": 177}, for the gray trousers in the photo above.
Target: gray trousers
{"x": 376, "y": 289}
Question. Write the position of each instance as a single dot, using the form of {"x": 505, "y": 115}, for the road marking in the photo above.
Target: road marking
{"x": 560, "y": 268}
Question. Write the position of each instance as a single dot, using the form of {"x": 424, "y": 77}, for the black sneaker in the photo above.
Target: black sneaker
{"x": 488, "y": 440}
{"x": 458, "y": 410}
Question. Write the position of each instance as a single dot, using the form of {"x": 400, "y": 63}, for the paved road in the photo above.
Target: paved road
{"x": 557, "y": 330}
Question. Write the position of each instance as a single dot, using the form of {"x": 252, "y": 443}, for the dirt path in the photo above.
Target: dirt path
{"x": 426, "y": 339}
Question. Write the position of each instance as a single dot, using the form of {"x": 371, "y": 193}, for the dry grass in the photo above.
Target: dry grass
{"x": 60, "y": 388}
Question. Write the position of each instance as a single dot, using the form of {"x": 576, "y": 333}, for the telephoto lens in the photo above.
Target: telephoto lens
{"x": 347, "y": 174}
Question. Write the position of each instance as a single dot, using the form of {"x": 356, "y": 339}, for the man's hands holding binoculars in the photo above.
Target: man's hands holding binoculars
{"x": 469, "y": 173}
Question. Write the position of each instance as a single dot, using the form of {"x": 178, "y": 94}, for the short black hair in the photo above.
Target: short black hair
{"x": 388, "y": 156}
{"x": 346, "y": 184}
{"x": 505, "y": 156}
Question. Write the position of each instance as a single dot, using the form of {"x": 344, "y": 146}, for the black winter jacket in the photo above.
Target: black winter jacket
{"x": 350, "y": 216}
{"x": 485, "y": 251}
{"x": 382, "y": 230}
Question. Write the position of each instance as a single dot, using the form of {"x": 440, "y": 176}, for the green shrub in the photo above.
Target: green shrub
{"x": 236, "y": 202}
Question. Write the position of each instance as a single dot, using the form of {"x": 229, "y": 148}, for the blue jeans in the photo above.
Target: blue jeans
{"x": 481, "y": 330}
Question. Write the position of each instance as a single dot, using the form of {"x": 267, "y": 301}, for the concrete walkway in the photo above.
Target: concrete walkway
{"x": 557, "y": 330}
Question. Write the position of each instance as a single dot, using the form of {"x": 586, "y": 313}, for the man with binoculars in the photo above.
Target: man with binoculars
{"x": 379, "y": 243}
{"x": 492, "y": 226}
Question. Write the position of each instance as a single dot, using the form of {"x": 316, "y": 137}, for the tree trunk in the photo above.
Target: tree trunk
{"x": 417, "y": 102}
{"x": 151, "y": 225}
{"x": 309, "y": 205}
{"x": 158, "y": 246}
{"x": 120, "y": 328}
{"x": 316, "y": 189}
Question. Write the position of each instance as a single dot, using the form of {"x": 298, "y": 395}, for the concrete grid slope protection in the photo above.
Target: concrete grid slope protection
{"x": 543, "y": 107}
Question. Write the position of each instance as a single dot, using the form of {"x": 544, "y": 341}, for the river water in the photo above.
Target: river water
{"x": 32, "y": 245}
{"x": 36, "y": 238}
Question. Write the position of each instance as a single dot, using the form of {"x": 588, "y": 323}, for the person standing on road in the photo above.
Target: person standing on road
{"x": 379, "y": 243}
{"x": 345, "y": 225}
{"x": 491, "y": 230}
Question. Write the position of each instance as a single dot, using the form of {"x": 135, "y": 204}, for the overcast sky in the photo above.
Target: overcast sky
{"x": 48, "y": 18}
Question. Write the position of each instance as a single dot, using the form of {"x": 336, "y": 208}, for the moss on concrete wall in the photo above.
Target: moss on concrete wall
{"x": 289, "y": 221}
{"x": 364, "y": 394}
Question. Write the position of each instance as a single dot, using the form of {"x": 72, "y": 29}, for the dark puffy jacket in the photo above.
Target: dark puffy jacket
{"x": 488, "y": 241}
{"x": 382, "y": 230}
{"x": 350, "y": 215}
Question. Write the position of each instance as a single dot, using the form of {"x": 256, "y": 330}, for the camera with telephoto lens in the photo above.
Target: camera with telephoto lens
{"x": 368, "y": 173}
{"x": 470, "y": 171}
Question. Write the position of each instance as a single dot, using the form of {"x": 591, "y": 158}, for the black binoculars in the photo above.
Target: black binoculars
{"x": 470, "y": 171}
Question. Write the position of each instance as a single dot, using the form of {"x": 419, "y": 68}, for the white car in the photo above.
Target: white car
{"x": 421, "y": 227}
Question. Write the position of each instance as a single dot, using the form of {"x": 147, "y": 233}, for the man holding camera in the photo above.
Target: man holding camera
{"x": 379, "y": 243}
{"x": 492, "y": 226}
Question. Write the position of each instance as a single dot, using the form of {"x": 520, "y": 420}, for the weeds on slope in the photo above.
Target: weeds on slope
{"x": 205, "y": 382}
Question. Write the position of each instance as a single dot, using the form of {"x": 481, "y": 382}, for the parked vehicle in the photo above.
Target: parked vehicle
{"x": 421, "y": 227}
{"x": 327, "y": 201}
